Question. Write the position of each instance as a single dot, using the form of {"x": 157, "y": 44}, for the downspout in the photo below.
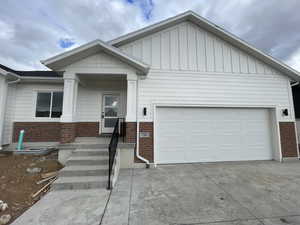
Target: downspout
{"x": 138, "y": 128}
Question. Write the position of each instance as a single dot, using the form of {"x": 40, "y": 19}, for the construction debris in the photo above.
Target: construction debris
{"x": 50, "y": 174}
{"x": 3, "y": 206}
{"x": 43, "y": 188}
{"x": 45, "y": 180}
{"x": 34, "y": 170}
{"x": 4, "y": 219}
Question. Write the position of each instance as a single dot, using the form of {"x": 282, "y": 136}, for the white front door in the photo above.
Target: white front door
{"x": 110, "y": 112}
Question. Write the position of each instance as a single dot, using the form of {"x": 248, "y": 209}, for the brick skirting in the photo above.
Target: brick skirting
{"x": 146, "y": 143}
{"x": 130, "y": 132}
{"x": 87, "y": 129}
{"x": 288, "y": 139}
{"x": 37, "y": 131}
{"x": 67, "y": 132}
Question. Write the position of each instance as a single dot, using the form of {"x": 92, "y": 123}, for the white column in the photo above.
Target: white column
{"x": 3, "y": 97}
{"x": 70, "y": 100}
{"x": 131, "y": 100}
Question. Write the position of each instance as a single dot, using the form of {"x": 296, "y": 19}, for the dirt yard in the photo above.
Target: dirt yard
{"x": 17, "y": 185}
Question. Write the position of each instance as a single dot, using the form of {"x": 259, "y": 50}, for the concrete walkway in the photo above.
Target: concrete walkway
{"x": 80, "y": 207}
{"x": 248, "y": 193}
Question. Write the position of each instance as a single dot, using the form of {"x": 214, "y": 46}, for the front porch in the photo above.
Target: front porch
{"x": 92, "y": 104}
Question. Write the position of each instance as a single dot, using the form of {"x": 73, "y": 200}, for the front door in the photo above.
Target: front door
{"x": 110, "y": 112}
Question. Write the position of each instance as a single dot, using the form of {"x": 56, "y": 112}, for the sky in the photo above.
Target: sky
{"x": 34, "y": 30}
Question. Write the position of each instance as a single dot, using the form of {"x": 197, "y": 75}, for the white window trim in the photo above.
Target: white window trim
{"x": 51, "y": 102}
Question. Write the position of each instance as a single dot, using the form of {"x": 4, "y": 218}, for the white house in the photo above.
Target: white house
{"x": 190, "y": 92}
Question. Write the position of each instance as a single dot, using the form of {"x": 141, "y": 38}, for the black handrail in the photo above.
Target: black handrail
{"x": 112, "y": 148}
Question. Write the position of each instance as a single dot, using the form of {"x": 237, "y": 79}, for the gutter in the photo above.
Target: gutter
{"x": 138, "y": 128}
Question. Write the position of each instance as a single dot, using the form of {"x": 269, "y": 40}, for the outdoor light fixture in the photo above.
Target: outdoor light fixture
{"x": 285, "y": 112}
{"x": 145, "y": 111}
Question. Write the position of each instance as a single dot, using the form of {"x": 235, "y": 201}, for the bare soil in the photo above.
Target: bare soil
{"x": 17, "y": 185}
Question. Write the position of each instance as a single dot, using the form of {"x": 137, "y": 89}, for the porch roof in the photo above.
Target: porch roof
{"x": 90, "y": 48}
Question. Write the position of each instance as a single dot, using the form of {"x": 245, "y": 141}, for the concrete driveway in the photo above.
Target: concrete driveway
{"x": 248, "y": 193}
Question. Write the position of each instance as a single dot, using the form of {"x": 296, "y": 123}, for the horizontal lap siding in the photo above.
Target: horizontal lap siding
{"x": 89, "y": 100}
{"x": 26, "y": 100}
{"x": 198, "y": 88}
{"x": 9, "y": 115}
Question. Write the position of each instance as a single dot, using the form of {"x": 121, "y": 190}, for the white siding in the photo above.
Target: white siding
{"x": 102, "y": 63}
{"x": 89, "y": 102}
{"x": 9, "y": 114}
{"x": 26, "y": 95}
{"x": 187, "y": 46}
{"x": 192, "y": 88}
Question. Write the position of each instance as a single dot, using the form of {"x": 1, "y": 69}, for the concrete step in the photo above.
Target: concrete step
{"x": 86, "y": 162}
{"x": 90, "y": 152}
{"x": 74, "y": 173}
{"x": 82, "y": 146}
{"x": 85, "y": 167}
{"x": 78, "y": 182}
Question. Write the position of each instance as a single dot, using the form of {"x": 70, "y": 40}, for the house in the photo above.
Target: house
{"x": 188, "y": 90}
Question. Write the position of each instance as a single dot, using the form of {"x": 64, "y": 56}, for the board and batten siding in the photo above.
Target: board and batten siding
{"x": 188, "y": 47}
{"x": 194, "y": 67}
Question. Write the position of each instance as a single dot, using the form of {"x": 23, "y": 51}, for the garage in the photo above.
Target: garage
{"x": 186, "y": 135}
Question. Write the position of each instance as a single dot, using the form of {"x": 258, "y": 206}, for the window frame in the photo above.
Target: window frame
{"x": 51, "y": 104}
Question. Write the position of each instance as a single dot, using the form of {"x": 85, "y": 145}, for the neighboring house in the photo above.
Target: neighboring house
{"x": 194, "y": 92}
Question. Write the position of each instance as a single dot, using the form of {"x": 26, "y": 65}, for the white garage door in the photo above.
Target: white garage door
{"x": 187, "y": 135}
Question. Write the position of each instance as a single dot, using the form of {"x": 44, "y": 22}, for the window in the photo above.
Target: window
{"x": 49, "y": 104}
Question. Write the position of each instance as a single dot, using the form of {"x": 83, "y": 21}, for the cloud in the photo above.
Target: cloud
{"x": 40, "y": 27}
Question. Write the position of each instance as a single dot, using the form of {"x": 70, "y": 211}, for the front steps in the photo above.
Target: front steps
{"x": 85, "y": 169}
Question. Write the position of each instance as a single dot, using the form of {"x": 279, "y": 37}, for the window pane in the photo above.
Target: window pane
{"x": 110, "y": 122}
{"x": 111, "y": 112}
{"x": 57, "y": 103}
{"x": 111, "y": 101}
{"x": 43, "y": 105}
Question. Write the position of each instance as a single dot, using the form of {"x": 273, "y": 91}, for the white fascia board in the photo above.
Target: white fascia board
{"x": 193, "y": 17}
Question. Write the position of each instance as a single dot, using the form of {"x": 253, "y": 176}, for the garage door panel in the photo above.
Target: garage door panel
{"x": 212, "y": 134}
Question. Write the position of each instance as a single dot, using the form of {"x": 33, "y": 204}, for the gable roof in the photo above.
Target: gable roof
{"x": 91, "y": 48}
{"x": 33, "y": 73}
{"x": 213, "y": 28}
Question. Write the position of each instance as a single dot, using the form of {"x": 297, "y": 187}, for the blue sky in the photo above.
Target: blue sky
{"x": 146, "y": 7}
{"x": 44, "y": 28}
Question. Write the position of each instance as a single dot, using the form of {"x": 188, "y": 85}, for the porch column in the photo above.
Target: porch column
{"x": 68, "y": 118}
{"x": 69, "y": 100}
{"x": 131, "y": 100}
{"x": 3, "y": 96}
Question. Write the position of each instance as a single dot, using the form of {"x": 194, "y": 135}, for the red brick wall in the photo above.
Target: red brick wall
{"x": 87, "y": 129}
{"x": 130, "y": 132}
{"x": 146, "y": 143}
{"x": 68, "y": 132}
{"x": 288, "y": 139}
{"x": 37, "y": 131}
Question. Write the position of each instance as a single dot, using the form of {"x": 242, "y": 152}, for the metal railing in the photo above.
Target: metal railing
{"x": 112, "y": 148}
